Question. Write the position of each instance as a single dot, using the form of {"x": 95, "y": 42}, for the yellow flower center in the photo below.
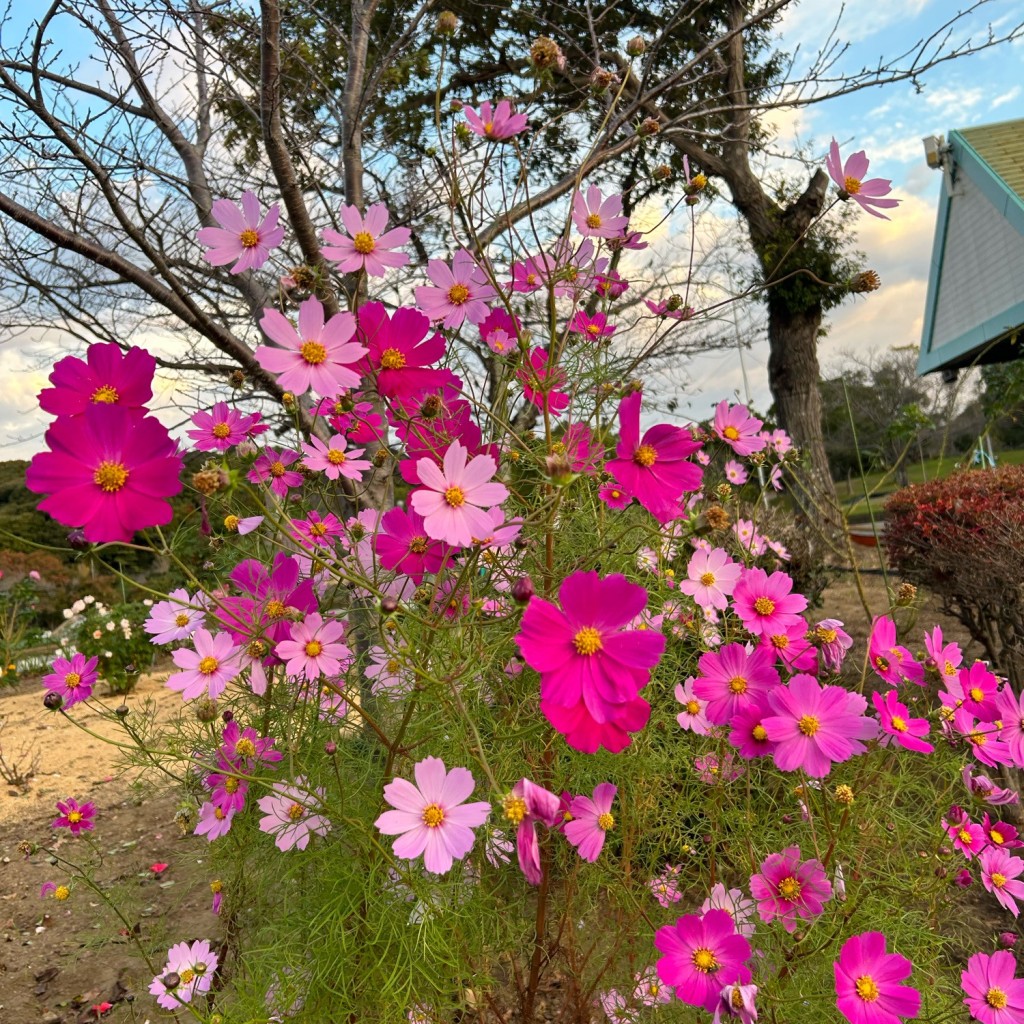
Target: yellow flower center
{"x": 276, "y": 609}
{"x": 418, "y": 545}
{"x": 231, "y": 522}
{"x": 249, "y": 238}
{"x": 998, "y": 880}
{"x": 277, "y": 468}
{"x": 296, "y": 811}
{"x": 110, "y": 477}
{"x": 977, "y": 694}
{"x": 318, "y": 529}
{"x": 593, "y": 329}
{"x": 255, "y": 649}
{"x": 705, "y": 961}
{"x": 208, "y": 665}
{"x": 698, "y": 181}
{"x": 314, "y": 649}
{"x": 866, "y": 988}
{"x": 105, "y": 394}
{"x": 731, "y": 433}
{"x": 996, "y": 998}
{"x": 707, "y": 579}
{"x": 216, "y": 886}
{"x": 759, "y": 732}
{"x": 245, "y": 747}
{"x": 593, "y": 220}
{"x": 221, "y": 430}
{"x": 218, "y": 814}
{"x": 514, "y": 808}
{"x": 186, "y": 976}
{"x": 826, "y": 635}
{"x": 808, "y": 725}
{"x": 313, "y": 352}
{"x": 181, "y": 619}
{"x": 587, "y": 641}
{"x": 948, "y": 669}
{"x": 693, "y": 707}
{"x": 738, "y": 684}
{"x": 72, "y": 679}
{"x": 75, "y": 817}
{"x": 899, "y": 724}
{"x": 881, "y": 663}
{"x": 764, "y": 606}
{"x": 457, "y": 294}
{"x": 645, "y": 456}
{"x": 790, "y": 888}
{"x": 605, "y": 822}
{"x": 965, "y": 837}
{"x": 392, "y": 359}
{"x": 996, "y": 837}
{"x": 736, "y": 999}
{"x": 231, "y": 785}
{"x": 335, "y": 456}
{"x": 455, "y": 497}
{"x": 62, "y": 892}
{"x": 363, "y": 243}
{"x": 851, "y": 185}
{"x": 432, "y": 816}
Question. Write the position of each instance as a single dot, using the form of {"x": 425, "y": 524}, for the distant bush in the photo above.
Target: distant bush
{"x": 963, "y": 537}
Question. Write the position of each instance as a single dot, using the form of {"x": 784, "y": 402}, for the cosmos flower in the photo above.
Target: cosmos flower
{"x": 869, "y": 987}
{"x": 76, "y": 818}
{"x": 367, "y": 246}
{"x": 592, "y": 819}
{"x": 72, "y": 679}
{"x": 991, "y": 992}
{"x": 174, "y": 619}
{"x": 597, "y": 216}
{"x": 495, "y": 123}
{"x": 193, "y": 966}
{"x": 243, "y": 236}
{"x": 108, "y": 376}
{"x": 850, "y": 179}
{"x": 288, "y": 816}
{"x": 208, "y": 668}
{"x": 458, "y": 292}
{"x": 787, "y": 888}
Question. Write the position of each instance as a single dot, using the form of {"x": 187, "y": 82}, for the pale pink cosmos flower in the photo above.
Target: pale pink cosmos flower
{"x": 214, "y": 821}
{"x": 736, "y": 473}
{"x": 193, "y": 965}
{"x": 174, "y": 619}
{"x": 833, "y": 642}
{"x": 455, "y": 500}
{"x": 850, "y": 179}
{"x": 432, "y": 818}
{"x": 208, "y": 669}
{"x": 738, "y": 429}
{"x": 665, "y": 885}
{"x": 318, "y": 356}
{"x": 273, "y": 466}
{"x": 598, "y": 217}
{"x": 592, "y": 819}
{"x": 367, "y": 246}
{"x": 712, "y": 577}
{"x": 497, "y": 123}
{"x": 289, "y": 817}
{"x": 334, "y": 459}
{"x": 314, "y": 648}
{"x": 650, "y": 990}
{"x": 736, "y": 1001}
{"x": 694, "y": 714}
{"x": 458, "y": 293}
{"x": 243, "y": 236}
{"x": 735, "y": 902}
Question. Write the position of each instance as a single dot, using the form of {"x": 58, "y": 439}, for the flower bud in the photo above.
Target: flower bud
{"x": 636, "y": 46}
{"x": 53, "y": 701}
{"x": 171, "y": 979}
{"x": 447, "y": 24}
{"x": 227, "y": 716}
{"x": 76, "y": 540}
{"x": 1007, "y": 940}
{"x": 206, "y": 710}
{"x": 963, "y": 878}
{"x": 389, "y": 605}
{"x": 330, "y": 748}
{"x": 122, "y": 710}
{"x": 523, "y": 590}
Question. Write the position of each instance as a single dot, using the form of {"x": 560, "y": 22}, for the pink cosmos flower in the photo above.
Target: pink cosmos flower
{"x": 497, "y": 123}
{"x": 648, "y": 989}
{"x": 731, "y": 680}
{"x": 1010, "y": 708}
{"x": 736, "y": 473}
{"x": 833, "y": 643}
{"x": 983, "y": 788}
{"x": 75, "y": 817}
{"x": 223, "y": 427}
{"x": 693, "y": 715}
{"x": 736, "y": 903}
{"x": 792, "y": 648}
{"x": 109, "y": 471}
{"x": 289, "y": 816}
{"x": 532, "y": 273}
{"x": 314, "y": 648}
{"x": 403, "y": 544}
{"x": 896, "y": 722}
{"x": 273, "y": 465}
{"x": 499, "y": 331}
{"x": 208, "y": 669}
{"x": 888, "y": 659}
{"x": 665, "y": 885}
{"x": 194, "y": 966}
{"x": 788, "y": 888}
{"x": 586, "y": 656}
{"x": 108, "y": 376}
{"x": 459, "y": 292}
{"x": 542, "y": 383}
{"x": 666, "y": 309}
{"x": 943, "y": 658}
{"x": 575, "y": 269}
{"x": 214, "y": 821}
{"x": 712, "y": 577}
{"x": 991, "y": 992}
{"x": 764, "y": 603}
{"x": 748, "y": 733}
{"x": 738, "y": 429}
{"x": 592, "y": 819}
{"x": 175, "y": 619}
{"x": 432, "y": 818}
{"x": 612, "y": 285}
{"x": 317, "y": 531}
{"x": 367, "y": 246}
{"x": 968, "y": 836}
{"x": 333, "y": 460}
{"x": 814, "y": 727}
{"x": 868, "y": 982}
{"x": 1000, "y": 874}
{"x": 850, "y": 179}
{"x": 593, "y": 328}
{"x": 614, "y": 496}
{"x": 525, "y": 806}
{"x": 702, "y": 954}
{"x": 596, "y": 216}
{"x": 656, "y": 467}
{"x": 455, "y": 498}
{"x": 72, "y": 679}
{"x": 736, "y": 1001}
{"x": 983, "y": 737}
{"x": 320, "y": 355}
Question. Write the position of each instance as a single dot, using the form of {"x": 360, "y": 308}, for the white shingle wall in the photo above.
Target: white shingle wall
{"x": 983, "y": 269}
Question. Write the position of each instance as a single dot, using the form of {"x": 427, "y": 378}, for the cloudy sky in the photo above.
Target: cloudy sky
{"x": 887, "y": 123}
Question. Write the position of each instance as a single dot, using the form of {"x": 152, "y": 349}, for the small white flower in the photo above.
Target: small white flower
{"x": 68, "y": 613}
{"x": 124, "y": 623}
{"x": 88, "y": 599}
{"x": 78, "y": 607}
{"x": 148, "y": 602}
{"x": 108, "y": 654}
{"x": 110, "y": 627}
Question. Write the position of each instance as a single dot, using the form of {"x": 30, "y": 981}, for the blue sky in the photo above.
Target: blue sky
{"x": 888, "y": 123}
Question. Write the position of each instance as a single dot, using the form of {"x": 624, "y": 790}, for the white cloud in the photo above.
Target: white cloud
{"x": 1007, "y": 97}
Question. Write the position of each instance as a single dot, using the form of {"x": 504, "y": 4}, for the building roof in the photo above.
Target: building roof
{"x": 975, "y": 307}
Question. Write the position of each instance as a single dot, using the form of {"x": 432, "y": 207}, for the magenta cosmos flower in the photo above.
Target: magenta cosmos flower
{"x": 193, "y": 965}
{"x": 458, "y": 293}
{"x": 289, "y": 816}
{"x": 314, "y": 648}
{"x": 72, "y": 679}
{"x": 738, "y": 429}
{"x": 525, "y": 806}
{"x": 108, "y": 376}
{"x": 868, "y": 982}
{"x": 731, "y": 680}
{"x": 208, "y": 669}
{"x": 598, "y": 217}
{"x": 712, "y": 577}
{"x": 542, "y": 382}
{"x": 367, "y": 246}
{"x": 222, "y": 427}
{"x": 273, "y": 465}
{"x": 455, "y": 498}
{"x": 1000, "y": 874}
{"x": 833, "y": 642}
{"x": 765, "y": 603}
{"x": 584, "y": 652}
{"x": 788, "y": 888}
{"x": 656, "y": 467}
{"x": 896, "y": 722}
{"x": 815, "y": 726}
{"x": 991, "y": 992}
{"x": 701, "y": 955}
{"x": 592, "y": 820}
{"x": 109, "y": 471}
{"x": 319, "y": 356}
{"x": 495, "y": 123}
{"x": 403, "y": 544}
{"x": 333, "y": 459}
{"x": 890, "y": 661}
{"x": 75, "y": 817}
{"x": 432, "y": 818}
{"x": 1010, "y": 708}
{"x": 850, "y": 179}
{"x": 244, "y": 235}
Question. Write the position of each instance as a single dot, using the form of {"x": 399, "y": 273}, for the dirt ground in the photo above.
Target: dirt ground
{"x": 59, "y": 960}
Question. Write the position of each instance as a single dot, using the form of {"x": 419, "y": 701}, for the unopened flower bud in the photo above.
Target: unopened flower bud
{"x": 171, "y": 979}
{"x": 330, "y": 748}
{"x": 245, "y": 449}
{"x": 523, "y": 590}
{"x": 206, "y": 710}
{"x": 447, "y": 24}
{"x": 76, "y": 540}
{"x": 227, "y": 716}
{"x": 380, "y": 456}
{"x": 636, "y": 46}
{"x": 963, "y": 878}
{"x": 559, "y": 468}
{"x": 1007, "y": 940}
{"x": 53, "y": 701}
{"x": 865, "y": 281}
{"x": 455, "y": 106}
{"x": 122, "y": 710}
{"x": 673, "y": 303}
{"x": 288, "y": 400}
{"x": 431, "y": 406}
{"x": 389, "y": 605}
